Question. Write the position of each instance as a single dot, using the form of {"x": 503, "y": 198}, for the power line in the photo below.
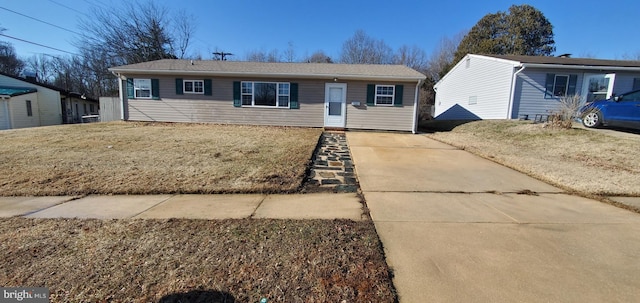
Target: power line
{"x": 38, "y": 44}
{"x": 71, "y": 8}
{"x": 45, "y": 22}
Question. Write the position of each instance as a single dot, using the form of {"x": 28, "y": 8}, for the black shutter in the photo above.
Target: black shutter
{"x": 130, "y": 88}
{"x": 397, "y": 100}
{"x": 179, "y": 86}
{"x": 549, "y": 86}
{"x": 571, "y": 89}
{"x": 155, "y": 89}
{"x": 237, "y": 101}
{"x": 293, "y": 96}
{"x": 371, "y": 94}
{"x": 207, "y": 87}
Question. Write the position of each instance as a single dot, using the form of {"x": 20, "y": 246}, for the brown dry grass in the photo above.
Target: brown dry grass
{"x": 153, "y": 158}
{"x": 196, "y": 260}
{"x": 577, "y": 159}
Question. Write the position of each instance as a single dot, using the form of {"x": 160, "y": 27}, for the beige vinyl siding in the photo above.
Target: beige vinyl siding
{"x": 4, "y": 114}
{"x": 379, "y": 117}
{"x": 218, "y": 108}
{"x": 49, "y": 109}
{"x": 18, "y": 109}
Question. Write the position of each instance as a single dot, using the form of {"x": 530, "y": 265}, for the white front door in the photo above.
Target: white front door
{"x": 598, "y": 86}
{"x": 4, "y": 115}
{"x": 335, "y": 101}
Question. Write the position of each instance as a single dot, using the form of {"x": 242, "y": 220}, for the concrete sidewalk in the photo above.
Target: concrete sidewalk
{"x": 296, "y": 206}
{"x": 459, "y": 228}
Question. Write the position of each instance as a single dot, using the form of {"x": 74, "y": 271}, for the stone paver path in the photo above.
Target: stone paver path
{"x": 332, "y": 168}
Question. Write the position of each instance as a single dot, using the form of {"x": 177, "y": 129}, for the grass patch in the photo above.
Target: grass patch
{"x": 576, "y": 159}
{"x": 153, "y": 158}
{"x": 196, "y": 260}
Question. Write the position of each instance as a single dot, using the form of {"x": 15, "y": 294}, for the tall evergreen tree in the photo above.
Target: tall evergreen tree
{"x": 523, "y": 30}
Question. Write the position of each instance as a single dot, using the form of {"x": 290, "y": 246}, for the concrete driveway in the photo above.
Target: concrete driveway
{"x": 459, "y": 228}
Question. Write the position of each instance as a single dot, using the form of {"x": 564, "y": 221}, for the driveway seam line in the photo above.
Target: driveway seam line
{"x": 264, "y": 197}
{"x": 154, "y": 205}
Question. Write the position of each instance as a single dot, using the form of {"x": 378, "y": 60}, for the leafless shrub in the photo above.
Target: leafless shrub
{"x": 567, "y": 111}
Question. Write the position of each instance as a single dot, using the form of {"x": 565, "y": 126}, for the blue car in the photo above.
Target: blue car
{"x": 620, "y": 111}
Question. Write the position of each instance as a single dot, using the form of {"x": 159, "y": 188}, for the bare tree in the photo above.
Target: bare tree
{"x": 411, "y": 56}
{"x": 9, "y": 61}
{"x": 43, "y": 66}
{"x": 290, "y": 53}
{"x": 319, "y": 56}
{"x": 137, "y": 32}
{"x": 263, "y": 56}
{"x": 184, "y": 29}
{"x": 364, "y": 49}
{"x": 442, "y": 57}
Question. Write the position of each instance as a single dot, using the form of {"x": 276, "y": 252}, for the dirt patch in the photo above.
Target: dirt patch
{"x": 575, "y": 159}
{"x": 154, "y": 158}
{"x": 196, "y": 260}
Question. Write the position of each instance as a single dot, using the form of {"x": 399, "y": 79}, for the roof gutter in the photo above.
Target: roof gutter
{"x": 512, "y": 93}
{"x": 583, "y": 67}
{"x": 262, "y": 75}
{"x": 416, "y": 104}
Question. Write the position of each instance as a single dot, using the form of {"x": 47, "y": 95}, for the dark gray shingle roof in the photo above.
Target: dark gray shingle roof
{"x": 295, "y": 70}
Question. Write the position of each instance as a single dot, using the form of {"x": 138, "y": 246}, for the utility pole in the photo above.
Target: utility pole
{"x": 221, "y": 56}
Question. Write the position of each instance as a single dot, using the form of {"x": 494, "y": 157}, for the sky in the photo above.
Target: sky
{"x": 583, "y": 28}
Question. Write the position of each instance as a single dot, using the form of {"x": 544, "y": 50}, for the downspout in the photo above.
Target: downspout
{"x": 415, "y": 108}
{"x": 120, "y": 95}
{"x": 513, "y": 90}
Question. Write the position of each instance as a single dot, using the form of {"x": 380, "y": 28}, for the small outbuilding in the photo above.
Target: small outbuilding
{"x": 342, "y": 96}
{"x": 526, "y": 87}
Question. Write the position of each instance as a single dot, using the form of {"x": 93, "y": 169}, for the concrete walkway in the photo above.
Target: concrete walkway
{"x": 459, "y": 228}
{"x": 303, "y": 206}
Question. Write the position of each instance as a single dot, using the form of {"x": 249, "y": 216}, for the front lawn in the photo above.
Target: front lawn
{"x": 575, "y": 159}
{"x": 153, "y": 158}
{"x": 196, "y": 260}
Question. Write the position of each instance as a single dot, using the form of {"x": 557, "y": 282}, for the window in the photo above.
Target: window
{"x": 193, "y": 86}
{"x": 384, "y": 94}
{"x": 29, "y": 109}
{"x": 84, "y": 106}
{"x": 560, "y": 85}
{"x": 92, "y": 108}
{"x": 268, "y": 94}
{"x": 636, "y": 83}
{"x": 142, "y": 88}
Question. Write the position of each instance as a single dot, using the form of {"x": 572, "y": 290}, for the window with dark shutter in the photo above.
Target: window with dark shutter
{"x": 371, "y": 94}
{"x": 236, "y": 94}
{"x": 293, "y": 103}
{"x": 397, "y": 101}
{"x": 179, "y": 86}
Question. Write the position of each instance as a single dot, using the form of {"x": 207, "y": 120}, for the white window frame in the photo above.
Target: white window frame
{"x": 566, "y": 86}
{"x": 247, "y": 88}
{"x": 393, "y": 95}
{"x": 193, "y": 86}
{"x": 138, "y": 86}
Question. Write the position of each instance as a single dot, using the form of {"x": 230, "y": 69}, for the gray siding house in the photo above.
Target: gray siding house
{"x": 526, "y": 87}
{"x": 349, "y": 96}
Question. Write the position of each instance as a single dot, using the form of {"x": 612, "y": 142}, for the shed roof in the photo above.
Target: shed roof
{"x": 262, "y": 69}
{"x": 577, "y": 62}
{"x": 16, "y": 91}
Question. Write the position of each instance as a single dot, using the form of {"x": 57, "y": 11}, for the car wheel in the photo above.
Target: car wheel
{"x": 592, "y": 119}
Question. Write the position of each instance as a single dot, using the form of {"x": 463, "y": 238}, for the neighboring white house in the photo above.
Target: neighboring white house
{"x": 27, "y": 103}
{"x": 523, "y": 87}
